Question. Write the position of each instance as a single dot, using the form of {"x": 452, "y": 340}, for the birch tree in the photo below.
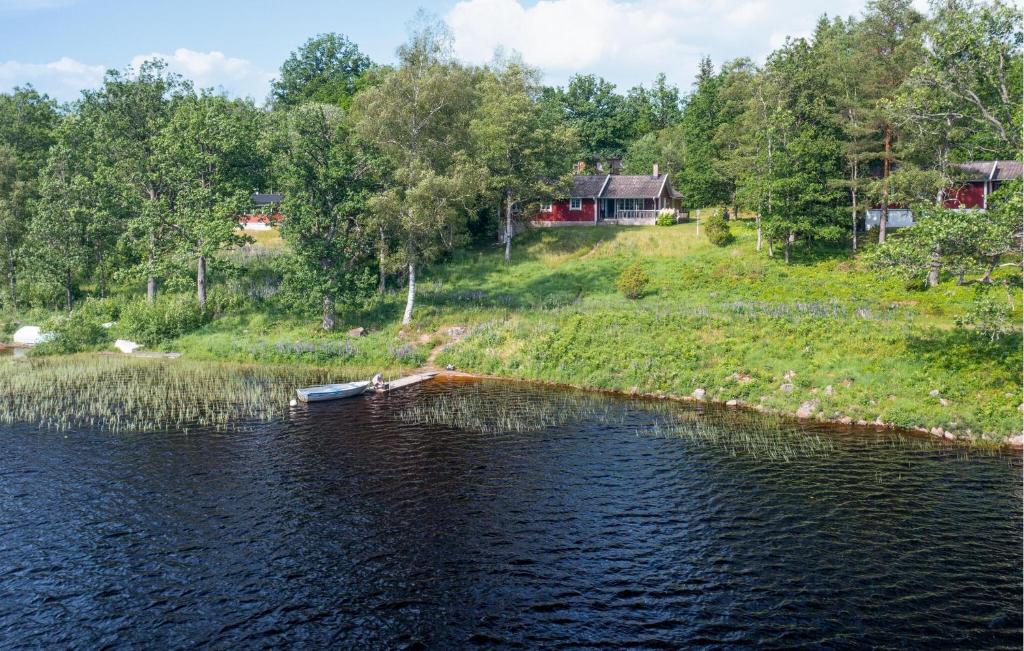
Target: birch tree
{"x": 418, "y": 115}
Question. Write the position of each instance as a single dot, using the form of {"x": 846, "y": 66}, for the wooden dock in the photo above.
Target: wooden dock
{"x": 408, "y": 381}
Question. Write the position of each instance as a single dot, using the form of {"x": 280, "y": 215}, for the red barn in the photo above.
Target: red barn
{"x": 612, "y": 198}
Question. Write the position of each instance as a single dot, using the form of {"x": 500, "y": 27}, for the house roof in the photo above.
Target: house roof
{"x": 616, "y": 186}
{"x": 585, "y": 187}
{"x": 995, "y": 170}
{"x": 264, "y": 198}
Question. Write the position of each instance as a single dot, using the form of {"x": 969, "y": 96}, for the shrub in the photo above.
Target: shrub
{"x": 72, "y": 333}
{"x": 716, "y": 227}
{"x": 167, "y": 318}
{"x": 989, "y": 315}
{"x": 666, "y": 217}
{"x": 633, "y": 281}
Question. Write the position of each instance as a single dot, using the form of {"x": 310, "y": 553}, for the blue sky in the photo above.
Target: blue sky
{"x": 62, "y": 46}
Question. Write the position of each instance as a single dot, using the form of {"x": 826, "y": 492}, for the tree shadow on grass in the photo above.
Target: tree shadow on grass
{"x": 962, "y": 350}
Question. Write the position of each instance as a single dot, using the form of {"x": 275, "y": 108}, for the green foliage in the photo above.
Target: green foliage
{"x": 666, "y": 218}
{"x": 327, "y": 69}
{"x": 168, "y": 317}
{"x": 73, "y": 332}
{"x": 633, "y": 281}
{"x": 989, "y": 314}
{"x": 716, "y": 228}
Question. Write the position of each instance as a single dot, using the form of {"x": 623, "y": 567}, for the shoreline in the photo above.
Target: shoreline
{"x": 1015, "y": 442}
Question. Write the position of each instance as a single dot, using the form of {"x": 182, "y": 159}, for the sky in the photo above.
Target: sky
{"x": 64, "y": 46}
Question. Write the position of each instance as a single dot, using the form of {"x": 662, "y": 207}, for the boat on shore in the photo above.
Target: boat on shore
{"x": 332, "y": 391}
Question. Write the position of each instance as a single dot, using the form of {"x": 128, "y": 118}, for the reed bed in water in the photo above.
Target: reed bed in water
{"x": 490, "y": 409}
{"x": 120, "y": 394}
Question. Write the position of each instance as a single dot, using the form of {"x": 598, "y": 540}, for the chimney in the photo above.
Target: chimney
{"x": 655, "y": 172}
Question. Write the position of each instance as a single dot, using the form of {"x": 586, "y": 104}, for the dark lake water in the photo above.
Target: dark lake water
{"x": 341, "y": 526}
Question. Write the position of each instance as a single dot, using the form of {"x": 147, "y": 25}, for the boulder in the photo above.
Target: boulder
{"x": 357, "y": 332}
{"x": 846, "y": 420}
{"x": 786, "y": 387}
{"x": 789, "y": 375}
{"x": 456, "y": 332}
{"x": 828, "y": 390}
{"x": 934, "y": 393}
{"x": 807, "y": 409}
{"x": 943, "y": 402}
{"x": 731, "y": 403}
{"x": 126, "y": 346}
{"x": 936, "y": 431}
{"x": 31, "y": 335}
{"x": 699, "y": 394}
{"x": 1017, "y": 442}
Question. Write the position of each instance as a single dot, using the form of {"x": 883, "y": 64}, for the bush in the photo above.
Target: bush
{"x": 72, "y": 333}
{"x": 633, "y": 281}
{"x": 716, "y": 227}
{"x": 167, "y": 318}
{"x": 988, "y": 314}
{"x": 666, "y": 217}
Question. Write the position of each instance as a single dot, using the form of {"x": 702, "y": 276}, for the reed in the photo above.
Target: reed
{"x": 120, "y": 394}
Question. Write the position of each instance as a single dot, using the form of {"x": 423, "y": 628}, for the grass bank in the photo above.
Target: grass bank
{"x": 823, "y": 335}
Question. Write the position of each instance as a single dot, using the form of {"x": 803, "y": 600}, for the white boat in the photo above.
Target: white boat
{"x": 331, "y": 391}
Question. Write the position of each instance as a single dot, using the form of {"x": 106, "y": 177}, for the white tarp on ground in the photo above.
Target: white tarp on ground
{"x": 126, "y": 346}
{"x": 31, "y": 335}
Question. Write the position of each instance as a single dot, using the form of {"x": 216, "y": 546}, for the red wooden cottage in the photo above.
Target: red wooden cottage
{"x": 265, "y": 212}
{"x": 612, "y": 198}
{"x": 983, "y": 178}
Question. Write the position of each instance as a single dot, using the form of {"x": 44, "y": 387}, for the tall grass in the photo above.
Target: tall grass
{"x": 118, "y": 394}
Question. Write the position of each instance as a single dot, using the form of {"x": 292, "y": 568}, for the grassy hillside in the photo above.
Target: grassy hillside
{"x": 823, "y": 330}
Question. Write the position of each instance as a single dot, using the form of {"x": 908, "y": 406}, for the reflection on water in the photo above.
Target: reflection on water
{"x": 345, "y": 525}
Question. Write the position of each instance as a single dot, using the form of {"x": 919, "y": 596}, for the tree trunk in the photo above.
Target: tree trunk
{"x": 759, "y": 235}
{"x": 934, "y": 268}
{"x": 151, "y": 280}
{"x": 771, "y": 248}
{"x": 789, "y": 243}
{"x": 884, "y": 213}
{"x": 411, "y": 299}
{"x": 853, "y": 210}
{"x": 102, "y": 277}
{"x": 67, "y": 290}
{"x": 201, "y": 282}
{"x": 328, "y": 321}
{"x": 382, "y": 254}
{"x": 508, "y": 229}
{"x": 987, "y": 278}
{"x": 12, "y": 280}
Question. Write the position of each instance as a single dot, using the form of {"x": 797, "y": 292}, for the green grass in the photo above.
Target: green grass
{"x": 728, "y": 320}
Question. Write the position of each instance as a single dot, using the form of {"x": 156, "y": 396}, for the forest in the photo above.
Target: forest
{"x": 131, "y": 194}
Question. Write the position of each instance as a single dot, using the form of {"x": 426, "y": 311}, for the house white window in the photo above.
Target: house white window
{"x": 629, "y": 204}
{"x": 575, "y": 204}
{"x": 545, "y": 207}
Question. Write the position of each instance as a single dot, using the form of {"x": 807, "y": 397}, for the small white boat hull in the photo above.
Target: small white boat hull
{"x": 331, "y": 391}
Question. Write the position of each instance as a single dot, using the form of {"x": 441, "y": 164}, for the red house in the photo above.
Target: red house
{"x": 612, "y": 199}
{"x": 264, "y": 214}
{"x": 983, "y": 178}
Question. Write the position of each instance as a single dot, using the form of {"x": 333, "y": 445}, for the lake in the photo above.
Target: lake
{"x": 363, "y": 523}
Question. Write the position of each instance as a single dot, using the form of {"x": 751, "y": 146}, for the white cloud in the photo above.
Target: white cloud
{"x": 63, "y": 78}
{"x": 629, "y": 42}
{"x": 214, "y": 70}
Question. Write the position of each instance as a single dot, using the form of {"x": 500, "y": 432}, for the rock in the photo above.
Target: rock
{"x": 424, "y": 339}
{"x": 1020, "y": 407}
{"x": 786, "y": 388}
{"x": 846, "y": 420}
{"x": 699, "y": 394}
{"x": 108, "y": 325}
{"x": 934, "y": 393}
{"x": 862, "y": 422}
{"x": 31, "y": 335}
{"x": 807, "y": 409}
{"x": 1016, "y": 442}
{"x": 357, "y": 332}
{"x": 949, "y": 435}
{"x": 731, "y": 403}
{"x": 828, "y": 390}
{"x": 936, "y": 431}
{"x": 126, "y": 346}
{"x": 456, "y": 332}
{"x": 943, "y": 402}
{"x": 878, "y": 420}
{"x": 742, "y": 378}
{"x": 450, "y": 367}
{"x": 789, "y": 375}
